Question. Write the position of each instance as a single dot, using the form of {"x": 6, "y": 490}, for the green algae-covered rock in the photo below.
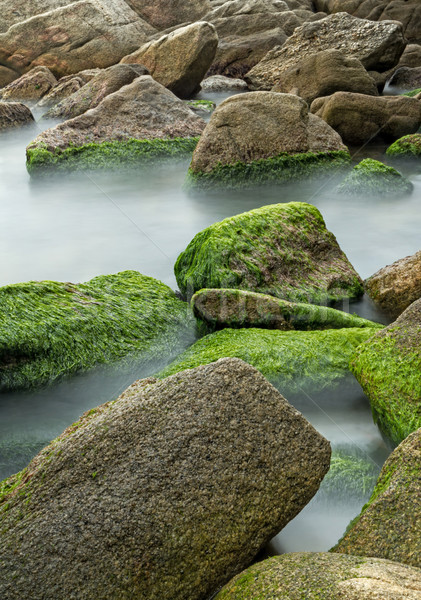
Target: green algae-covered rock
{"x": 389, "y": 525}
{"x": 283, "y": 250}
{"x": 351, "y": 475}
{"x": 413, "y": 93}
{"x": 50, "y": 329}
{"x": 163, "y": 494}
{"x": 408, "y": 145}
{"x": 374, "y": 178}
{"x": 291, "y": 360}
{"x": 388, "y": 368}
{"x": 324, "y": 576}
{"x": 237, "y": 308}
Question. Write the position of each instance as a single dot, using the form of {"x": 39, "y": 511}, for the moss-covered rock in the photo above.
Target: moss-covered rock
{"x": 324, "y": 576}
{"x": 375, "y": 179}
{"x": 389, "y": 525}
{"x": 408, "y": 145}
{"x": 388, "y": 367}
{"x": 283, "y": 250}
{"x": 292, "y": 360}
{"x": 351, "y": 475}
{"x": 413, "y": 93}
{"x": 237, "y": 308}
{"x": 50, "y": 329}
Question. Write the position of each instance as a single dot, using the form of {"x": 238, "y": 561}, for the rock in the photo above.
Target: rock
{"x": 406, "y": 146}
{"x": 219, "y": 308}
{"x": 85, "y": 75}
{"x": 388, "y": 368}
{"x": 72, "y": 36}
{"x": 220, "y": 83}
{"x": 201, "y": 107}
{"x": 373, "y": 178}
{"x": 139, "y": 122}
{"x": 30, "y": 87}
{"x": 377, "y": 45}
{"x": 60, "y": 92}
{"x": 165, "y": 493}
{"x": 394, "y": 287}
{"x": 323, "y": 74}
{"x": 51, "y": 329}
{"x": 92, "y": 93}
{"x": 7, "y": 76}
{"x": 179, "y": 60}
{"x": 317, "y": 575}
{"x": 283, "y": 250}
{"x": 167, "y": 13}
{"x": 295, "y": 362}
{"x": 359, "y": 118}
{"x": 262, "y": 137}
{"x": 406, "y": 78}
{"x": 14, "y": 114}
{"x": 351, "y": 477}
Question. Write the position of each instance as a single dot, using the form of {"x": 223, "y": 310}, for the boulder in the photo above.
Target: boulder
{"x": 179, "y": 60}
{"x": 85, "y": 75}
{"x": 7, "y": 76}
{"x": 72, "y": 36}
{"x": 372, "y": 178}
{"x": 406, "y": 146}
{"x": 283, "y": 250}
{"x": 60, "y": 92}
{"x": 30, "y": 87}
{"x": 411, "y": 57}
{"x": 406, "y": 78}
{"x": 139, "y": 122}
{"x": 377, "y": 45}
{"x": 219, "y": 308}
{"x": 325, "y": 73}
{"x": 164, "y": 493}
{"x": 220, "y": 83}
{"x": 388, "y": 368}
{"x": 51, "y": 329}
{"x": 92, "y": 93}
{"x": 296, "y": 362}
{"x": 262, "y": 137}
{"x": 168, "y": 13}
{"x": 359, "y": 118}
{"x": 394, "y": 287}
{"x": 389, "y": 526}
{"x": 14, "y": 114}
{"x": 317, "y": 575}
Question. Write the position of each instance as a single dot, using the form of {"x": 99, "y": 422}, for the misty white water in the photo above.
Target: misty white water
{"x": 74, "y": 227}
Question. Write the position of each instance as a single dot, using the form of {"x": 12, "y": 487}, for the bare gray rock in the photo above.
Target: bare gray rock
{"x": 220, "y": 83}
{"x": 30, "y": 87}
{"x": 14, "y": 114}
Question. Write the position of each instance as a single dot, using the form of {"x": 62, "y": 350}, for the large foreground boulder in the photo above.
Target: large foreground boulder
{"x": 179, "y": 60}
{"x": 283, "y": 250}
{"x": 51, "y": 329}
{"x": 139, "y": 122}
{"x": 324, "y": 576}
{"x": 389, "y": 526}
{"x": 388, "y": 368}
{"x": 14, "y": 114}
{"x": 165, "y": 493}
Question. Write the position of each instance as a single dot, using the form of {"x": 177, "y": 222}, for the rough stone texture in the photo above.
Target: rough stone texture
{"x": 388, "y": 368}
{"x": 323, "y": 74}
{"x": 284, "y": 250}
{"x": 394, "y": 287}
{"x": 220, "y": 83}
{"x": 85, "y": 75}
{"x": 165, "y": 493}
{"x": 359, "y": 118}
{"x": 60, "y": 92}
{"x": 408, "y": 146}
{"x": 179, "y": 60}
{"x": 167, "y": 13}
{"x": 406, "y": 78}
{"x": 7, "y": 76}
{"x": 92, "y": 93}
{"x": 324, "y": 576}
{"x": 389, "y": 526}
{"x": 373, "y": 178}
{"x": 377, "y": 45}
{"x": 71, "y": 36}
{"x": 14, "y": 114}
{"x": 142, "y": 110}
{"x": 30, "y": 87}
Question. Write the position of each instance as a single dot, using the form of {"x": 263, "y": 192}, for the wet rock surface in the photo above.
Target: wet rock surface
{"x": 14, "y": 114}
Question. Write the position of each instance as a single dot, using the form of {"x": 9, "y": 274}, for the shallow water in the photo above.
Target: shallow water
{"x": 74, "y": 227}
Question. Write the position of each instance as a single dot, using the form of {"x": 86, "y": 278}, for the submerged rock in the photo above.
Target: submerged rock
{"x": 51, "y": 329}
{"x": 373, "y": 178}
{"x": 351, "y": 477}
{"x": 220, "y": 83}
{"x": 389, "y": 525}
{"x": 388, "y": 368}
{"x": 14, "y": 114}
{"x": 30, "y": 87}
{"x": 406, "y": 146}
{"x": 283, "y": 250}
{"x": 165, "y": 493}
{"x": 324, "y": 575}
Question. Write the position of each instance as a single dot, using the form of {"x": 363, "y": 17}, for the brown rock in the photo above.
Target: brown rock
{"x": 167, "y": 13}
{"x": 14, "y": 114}
{"x": 60, "y": 92}
{"x": 30, "y": 87}
{"x": 406, "y": 78}
{"x": 7, "y": 76}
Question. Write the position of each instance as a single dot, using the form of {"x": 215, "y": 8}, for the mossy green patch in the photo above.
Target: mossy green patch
{"x": 351, "y": 475}
{"x": 50, "y": 329}
{"x": 291, "y": 360}
{"x": 276, "y": 169}
{"x": 205, "y": 105}
{"x": 406, "y": 146}
{"x": 412, "y": 93}
{"x": 374, "y": 178}
{"x": 106, "y": 155}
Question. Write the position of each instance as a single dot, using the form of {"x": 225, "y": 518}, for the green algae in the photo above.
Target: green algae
{"x": 293, "y": 361}
{"x": 106, "y": 155}
{"x": 51, "y": 329}
{"x": 406, "y": 146}
{"x": 375, "y": 178}
{"x": 276, "y": 169}
{"x": 412, "y": 93}
{"x": 205, "y": 105}
{"x": 351, "y": 475}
